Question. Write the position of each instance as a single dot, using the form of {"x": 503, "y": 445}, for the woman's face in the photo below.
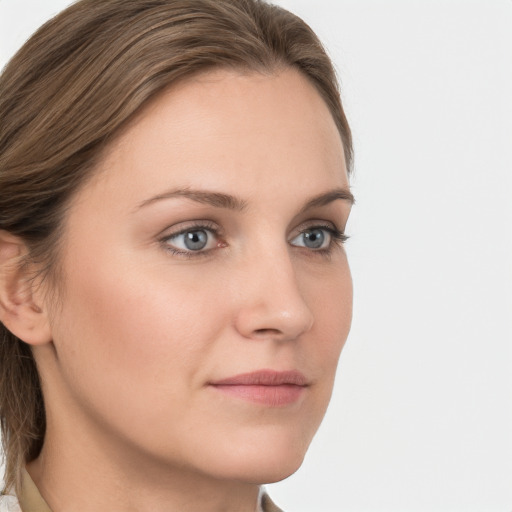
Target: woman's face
{"x": 206, "y": 247}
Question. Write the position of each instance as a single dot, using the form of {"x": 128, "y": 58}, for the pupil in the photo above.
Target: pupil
{"x": 314, "y": 239}
{"x": 195, "y": 240}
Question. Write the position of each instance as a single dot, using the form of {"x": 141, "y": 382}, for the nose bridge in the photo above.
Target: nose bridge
{"x": 273, "y": 304}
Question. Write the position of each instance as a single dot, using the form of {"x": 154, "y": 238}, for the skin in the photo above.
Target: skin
{"x": 141, "y": 330}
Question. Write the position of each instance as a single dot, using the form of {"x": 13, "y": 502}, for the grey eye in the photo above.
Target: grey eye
{"x": 195, "y": 240}
{"x": 316, "y": 238}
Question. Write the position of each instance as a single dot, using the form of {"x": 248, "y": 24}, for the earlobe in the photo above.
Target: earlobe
{"x": 20, "y": 309}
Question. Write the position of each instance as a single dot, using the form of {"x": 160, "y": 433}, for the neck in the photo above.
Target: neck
{"x": 86, "y": 473}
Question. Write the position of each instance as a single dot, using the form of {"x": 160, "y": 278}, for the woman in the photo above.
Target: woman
{"x": 174, "y": 291}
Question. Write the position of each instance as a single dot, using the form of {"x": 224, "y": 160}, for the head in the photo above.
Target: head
{"x": 159, "y": 166}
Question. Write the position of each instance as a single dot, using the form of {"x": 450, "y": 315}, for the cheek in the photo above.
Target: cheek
{"x": 330, "y": 295}
{"x": 132, "y": 339}
{"x": 331, "y": 300}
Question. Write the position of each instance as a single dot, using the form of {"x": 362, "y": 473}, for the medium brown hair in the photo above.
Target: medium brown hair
{"x": 68, "y": 92}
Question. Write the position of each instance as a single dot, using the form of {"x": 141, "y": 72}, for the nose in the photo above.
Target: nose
{"x": 271, "y": 303}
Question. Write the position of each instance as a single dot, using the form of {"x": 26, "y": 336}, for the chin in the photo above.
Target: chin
{"x": 264, "y": 463}
{"x": 264, "y": 472}
{"x": 279, "y": 471}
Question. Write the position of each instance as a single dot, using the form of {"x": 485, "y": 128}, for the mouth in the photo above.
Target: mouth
{"x": 265, "y": 387}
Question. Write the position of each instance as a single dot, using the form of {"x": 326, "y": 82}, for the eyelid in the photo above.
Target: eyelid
{"x": 189, "y": 225}
{"x": 318, "y": 224}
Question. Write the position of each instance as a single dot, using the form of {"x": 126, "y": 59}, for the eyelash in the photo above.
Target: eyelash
{"x": 338, "y": 238}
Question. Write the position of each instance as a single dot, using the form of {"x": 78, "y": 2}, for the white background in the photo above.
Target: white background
{"x": 421, "y": 417}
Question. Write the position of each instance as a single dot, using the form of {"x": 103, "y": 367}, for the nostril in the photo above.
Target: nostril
{"x": 266, "y": 332}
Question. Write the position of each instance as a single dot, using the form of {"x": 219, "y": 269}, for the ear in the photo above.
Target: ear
{"x": 21, "y": 305}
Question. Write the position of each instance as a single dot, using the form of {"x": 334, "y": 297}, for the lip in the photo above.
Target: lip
{"x": 266, "y": 387}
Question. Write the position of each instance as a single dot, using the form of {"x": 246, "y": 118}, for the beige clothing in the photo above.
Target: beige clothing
{"x": 30, "y": 499}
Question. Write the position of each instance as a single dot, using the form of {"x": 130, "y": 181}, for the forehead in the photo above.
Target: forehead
{"x": 226, "y": 129}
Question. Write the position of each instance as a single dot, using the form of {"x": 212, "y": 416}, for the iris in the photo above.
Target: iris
{"x": 314, "y": 238}
{"x": 195, "y": 240}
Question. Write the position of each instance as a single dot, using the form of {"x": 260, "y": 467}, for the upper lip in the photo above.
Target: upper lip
{"x": 264, "y": 378}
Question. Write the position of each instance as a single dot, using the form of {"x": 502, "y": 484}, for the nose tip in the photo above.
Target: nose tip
{"x": 267, "y": 321}
{"x": 274, "y": 307}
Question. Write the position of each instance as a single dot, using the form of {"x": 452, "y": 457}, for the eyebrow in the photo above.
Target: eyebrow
{"x": 216, "y": 199}
{"x": 328, "y": 197}
{"x": 229, "y": 202}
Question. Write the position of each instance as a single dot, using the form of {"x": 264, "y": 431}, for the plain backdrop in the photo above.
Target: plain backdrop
{"x": 421, "y": 416}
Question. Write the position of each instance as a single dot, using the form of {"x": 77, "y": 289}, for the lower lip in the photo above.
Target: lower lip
{"x": 272, "y": 396}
